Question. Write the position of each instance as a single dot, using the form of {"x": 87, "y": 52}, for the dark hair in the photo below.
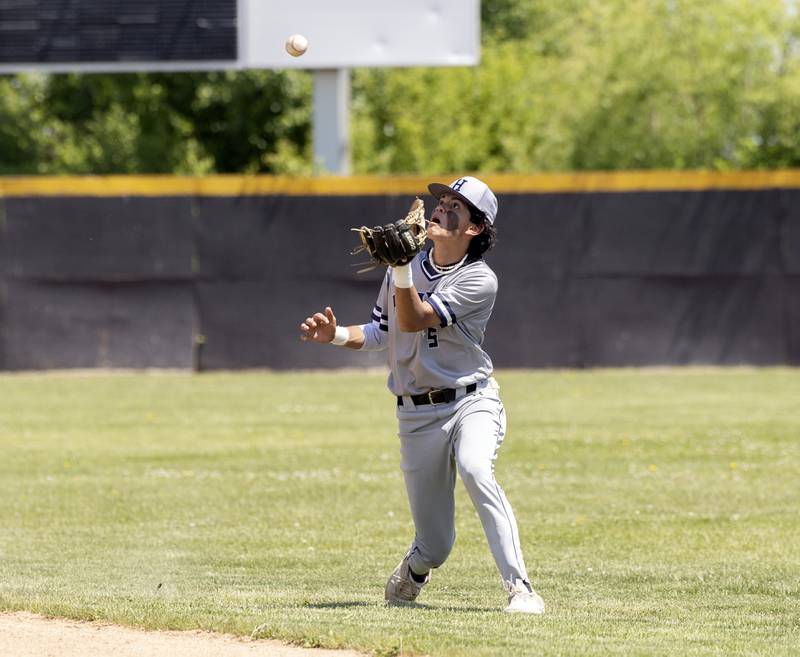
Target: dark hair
{"x": 485, "y": 240}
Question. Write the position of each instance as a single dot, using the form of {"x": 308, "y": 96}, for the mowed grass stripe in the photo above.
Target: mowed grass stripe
{"x": 657, "y": 509}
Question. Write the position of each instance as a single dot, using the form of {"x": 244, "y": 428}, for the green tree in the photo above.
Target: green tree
{"x": 23, "y": 137}
{"x": 251, "y": 121}
{"x": 617, "y": 84}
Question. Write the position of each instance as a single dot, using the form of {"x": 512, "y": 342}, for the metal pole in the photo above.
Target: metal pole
{"x": 332, "y": 120}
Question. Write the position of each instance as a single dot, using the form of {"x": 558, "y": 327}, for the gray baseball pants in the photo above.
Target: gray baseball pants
{"x": 437, "y": 440}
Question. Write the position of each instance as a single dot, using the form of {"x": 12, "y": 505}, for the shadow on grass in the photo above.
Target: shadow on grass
{"x": 339, "y": 605}
{"x": 345, "y": 604}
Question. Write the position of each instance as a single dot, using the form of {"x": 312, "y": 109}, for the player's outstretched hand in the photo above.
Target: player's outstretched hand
{"x": 319, "y": 328}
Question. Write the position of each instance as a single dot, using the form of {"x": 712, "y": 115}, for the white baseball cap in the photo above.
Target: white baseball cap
{"x": 472, "y": 191}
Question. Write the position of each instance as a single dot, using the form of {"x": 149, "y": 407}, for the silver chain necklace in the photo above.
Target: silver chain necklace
{"x": 446, "y": 269}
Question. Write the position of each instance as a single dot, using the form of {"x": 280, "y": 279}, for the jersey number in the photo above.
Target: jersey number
{"x": 433, "y": 337}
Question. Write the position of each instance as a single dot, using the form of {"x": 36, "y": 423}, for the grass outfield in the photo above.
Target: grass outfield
{"x": 658, "y": 511}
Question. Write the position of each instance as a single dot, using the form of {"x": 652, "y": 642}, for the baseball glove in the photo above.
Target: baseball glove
{"x": 397, "y": 243}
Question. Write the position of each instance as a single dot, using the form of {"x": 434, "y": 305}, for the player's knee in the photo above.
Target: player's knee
{"x": 436, "y": 550}
{"x": 476, "y": 473}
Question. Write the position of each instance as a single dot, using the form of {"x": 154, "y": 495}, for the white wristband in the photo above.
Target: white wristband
{"x": 402, "y": 276}
{"x": 341, "y": 336}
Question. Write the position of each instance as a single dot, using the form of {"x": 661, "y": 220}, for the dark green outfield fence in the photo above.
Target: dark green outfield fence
{"x": 595, "y": 269}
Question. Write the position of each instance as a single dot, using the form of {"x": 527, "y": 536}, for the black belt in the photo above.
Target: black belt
{"x": 440, "y": 396}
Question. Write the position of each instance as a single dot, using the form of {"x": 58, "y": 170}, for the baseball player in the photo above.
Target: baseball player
{"x": 431, "y": 315}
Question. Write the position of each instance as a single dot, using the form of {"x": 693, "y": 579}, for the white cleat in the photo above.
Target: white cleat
{"x": 401, "y": 587}
{"x": 523, "y": 600}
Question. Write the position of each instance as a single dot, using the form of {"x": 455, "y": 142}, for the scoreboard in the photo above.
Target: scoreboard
{"x": 84, "y": 36}
{"x": 95, "y": 31}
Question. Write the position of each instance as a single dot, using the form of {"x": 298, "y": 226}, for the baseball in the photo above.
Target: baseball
{"x": 296, "y": 45}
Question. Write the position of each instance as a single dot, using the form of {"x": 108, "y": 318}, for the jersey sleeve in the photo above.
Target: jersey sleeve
{"x": 472, "y": 294}
{"x": 377, "y": 329}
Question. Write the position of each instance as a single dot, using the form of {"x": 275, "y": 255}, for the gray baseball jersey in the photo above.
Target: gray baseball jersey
{"x": 447, "y": 356}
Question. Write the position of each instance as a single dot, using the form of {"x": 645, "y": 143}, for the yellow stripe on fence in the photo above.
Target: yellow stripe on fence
{"x": 262, "y": 185}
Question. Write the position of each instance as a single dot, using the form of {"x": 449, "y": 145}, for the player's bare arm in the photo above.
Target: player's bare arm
{"x": 321, "y": 327}
{"x": 414, "y": 314}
